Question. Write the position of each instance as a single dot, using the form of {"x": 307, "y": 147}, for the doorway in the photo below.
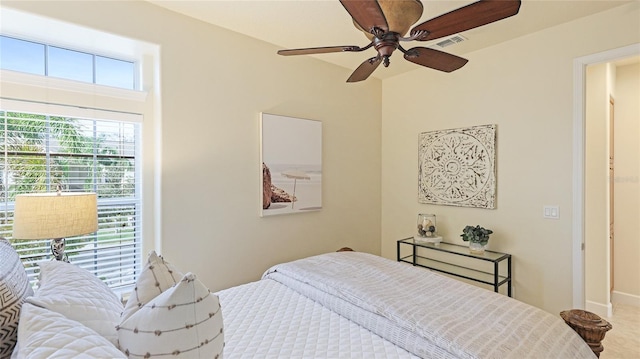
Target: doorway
{"x": 611, "y": 191}
{"x": 579, "y": 157}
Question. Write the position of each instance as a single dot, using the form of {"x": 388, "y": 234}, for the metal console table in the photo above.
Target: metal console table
{"x": 447, "y": 258}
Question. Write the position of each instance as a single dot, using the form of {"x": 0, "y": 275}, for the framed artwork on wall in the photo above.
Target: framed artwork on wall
{"x": 457, "y": 167}
{"x": 291, "y": 156}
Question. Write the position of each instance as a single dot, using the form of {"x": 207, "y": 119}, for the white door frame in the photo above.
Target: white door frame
{"x": 579, "y": 87}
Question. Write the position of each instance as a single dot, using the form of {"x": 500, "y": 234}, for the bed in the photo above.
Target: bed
{"x": 334, "y": 305}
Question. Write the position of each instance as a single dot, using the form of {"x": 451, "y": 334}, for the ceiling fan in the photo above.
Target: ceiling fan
{"x": 385, "y": 22}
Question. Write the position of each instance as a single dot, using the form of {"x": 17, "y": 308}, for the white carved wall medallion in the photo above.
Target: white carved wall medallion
{"x": 458, "y": 167}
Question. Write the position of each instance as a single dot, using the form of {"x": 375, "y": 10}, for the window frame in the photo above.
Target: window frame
{"x": 47, "y": 62}
{"x": 90, "y": 99}
{"x": 50, "y": 110}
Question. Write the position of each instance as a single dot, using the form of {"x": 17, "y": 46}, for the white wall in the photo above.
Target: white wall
{"x": 627, "y": 186}
{"x": 525, "y": 87}
{"x": 214, "y": 84}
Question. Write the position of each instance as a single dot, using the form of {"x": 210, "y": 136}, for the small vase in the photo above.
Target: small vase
{"x": 476, "y": 248}
{"x": 426, "y": 225}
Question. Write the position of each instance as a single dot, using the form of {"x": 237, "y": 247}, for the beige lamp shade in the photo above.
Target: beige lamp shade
{"x": 55, "y": 215}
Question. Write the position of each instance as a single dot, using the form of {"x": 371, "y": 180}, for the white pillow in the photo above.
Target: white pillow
{"x": 78, "y": 295}
{"x": 185, "y": 321}
{"x": 157, "y": 276}
{"x": 46, "y": 334}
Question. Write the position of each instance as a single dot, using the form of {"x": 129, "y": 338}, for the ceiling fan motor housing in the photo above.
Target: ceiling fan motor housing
{"x": 386, "y": 46}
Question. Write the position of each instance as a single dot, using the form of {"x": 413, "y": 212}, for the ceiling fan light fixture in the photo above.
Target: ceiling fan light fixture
{"x": 398, "y": 14}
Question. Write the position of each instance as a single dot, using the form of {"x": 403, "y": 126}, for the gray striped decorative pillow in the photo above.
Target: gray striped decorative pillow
{"x": 14, "y": 289}
{"x": 156, "y": 277}
{"x": 185, "y": 321}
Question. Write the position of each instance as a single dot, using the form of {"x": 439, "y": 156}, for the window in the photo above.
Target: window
{"x": 72, "y": 106}
{"x": 39, "y": 152}
{"x": 41, "y": 59}
{"x": 23, "y": 56}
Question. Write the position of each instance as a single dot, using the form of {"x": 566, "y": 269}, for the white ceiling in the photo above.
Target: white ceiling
{"x": 316, "y": 23}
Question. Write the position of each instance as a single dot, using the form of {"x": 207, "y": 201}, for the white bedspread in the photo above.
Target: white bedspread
{"x": 265, "y": 319}
{"x": 429, "y": 314}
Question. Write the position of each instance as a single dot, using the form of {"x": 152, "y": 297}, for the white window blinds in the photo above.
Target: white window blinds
{"x": 43, "y": 146}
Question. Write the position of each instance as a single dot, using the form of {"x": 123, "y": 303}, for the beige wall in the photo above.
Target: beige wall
{"x": 627, "y": 185}
{"x": 525, "y": 86}
{"x": 214, "y": 84}
{"x": 598, "y": 91}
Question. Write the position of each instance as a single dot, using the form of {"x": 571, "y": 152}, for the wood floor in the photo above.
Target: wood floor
{"x": 623, "y": 341}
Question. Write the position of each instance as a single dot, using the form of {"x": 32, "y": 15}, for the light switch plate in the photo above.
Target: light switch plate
{"x": 551, "y": 212}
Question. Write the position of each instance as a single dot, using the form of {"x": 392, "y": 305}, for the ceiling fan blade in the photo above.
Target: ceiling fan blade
{"x": 434, "y": 59}
{"x": 468, "y": 17}
{"x": 365, "y": 69}
{"x": 318, "y": 50}
{"x": 367, "y": 14}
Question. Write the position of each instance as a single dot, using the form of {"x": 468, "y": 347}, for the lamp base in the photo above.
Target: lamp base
{"x": 57, "y": 250}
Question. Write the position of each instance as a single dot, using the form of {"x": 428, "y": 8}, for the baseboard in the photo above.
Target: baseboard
{"x": 603, "y": 310}
{"x": 625, "y": 298}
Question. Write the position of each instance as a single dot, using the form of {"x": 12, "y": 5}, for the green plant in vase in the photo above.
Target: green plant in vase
{"x": 477, "y": 236}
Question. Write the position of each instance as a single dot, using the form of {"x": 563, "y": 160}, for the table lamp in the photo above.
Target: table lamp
{"x": 55, "y": 216}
